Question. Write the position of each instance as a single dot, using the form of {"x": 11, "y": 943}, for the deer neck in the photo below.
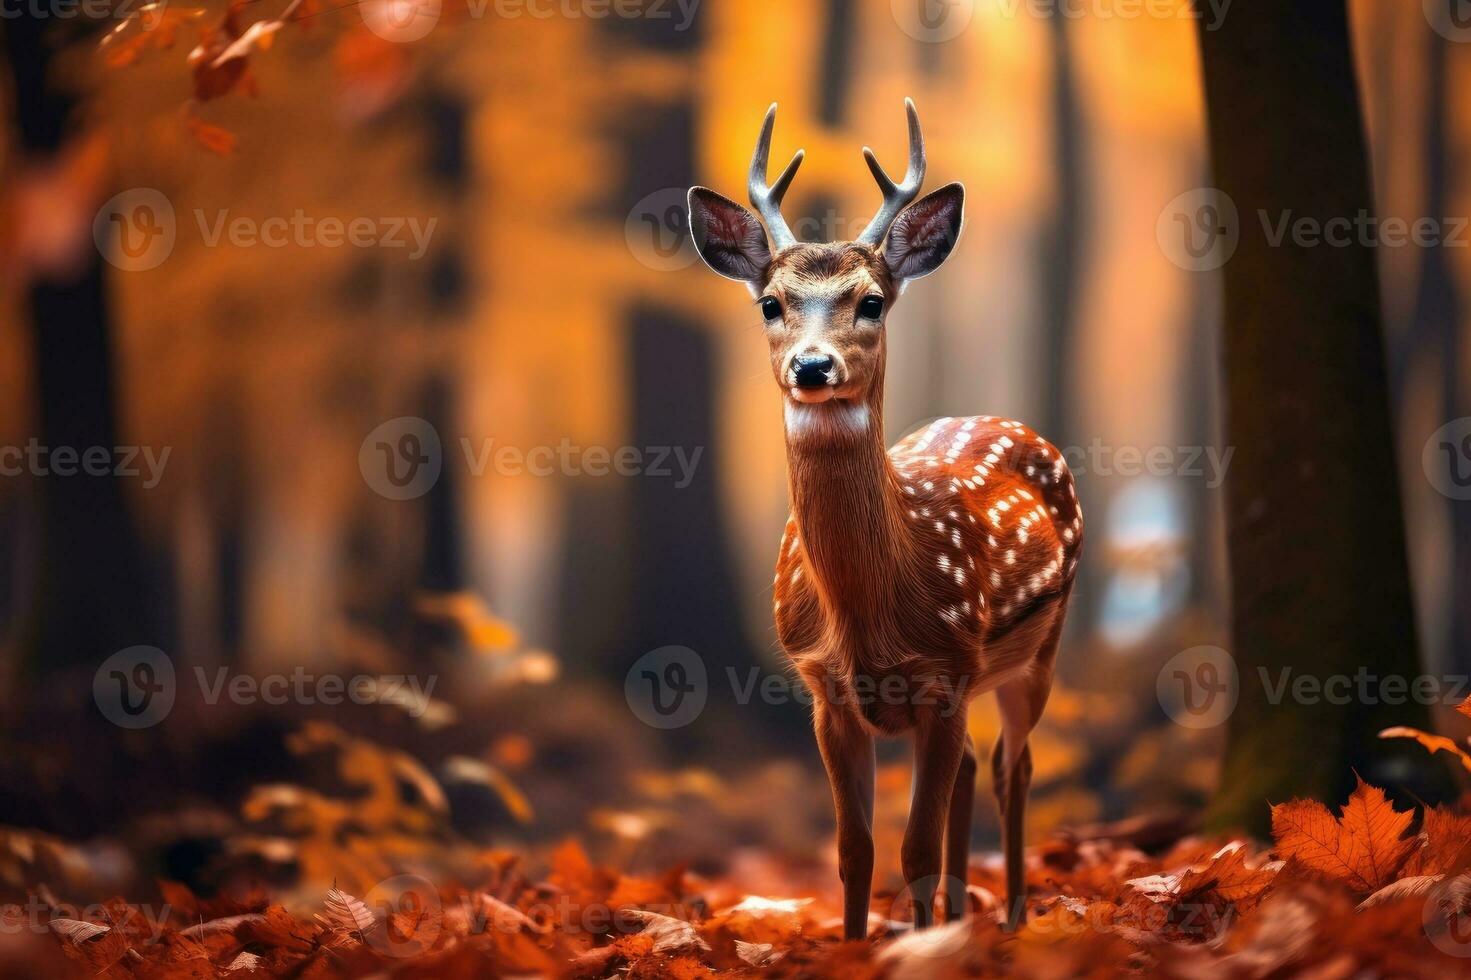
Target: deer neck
{"x": 846, "y": 501}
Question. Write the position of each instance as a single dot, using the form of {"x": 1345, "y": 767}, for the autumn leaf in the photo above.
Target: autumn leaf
{"x": 1227, "y": 876}
{"x": 245, "y": 962}
{"x": 256, "y": 37}
{"x": 1415, "y": 886}
{"x": 211, "y": 82}
{"x": 498, "y": 916}
{"x": 463, "y": 769}
{"x": 1435, "y": 743}
{"x": 1364, "y": 848}
{"x": 484, "y": 631}
{"x": 670, "y": 935}
{"x": 215, "y": 139}
{"x": 1446, "y": 847}
{"x": 277, "y": 927}
{"x": 757, "y": 954}
{"x": 77, "y": 931}
{"x": 155, "y": 27}
{"x": 347, "y": 913}
{"x": 1465, "y": 707}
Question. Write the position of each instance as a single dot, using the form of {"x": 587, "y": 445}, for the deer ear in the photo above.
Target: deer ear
{"x": 728, "y": 237}
{"x": 925, "y": 233}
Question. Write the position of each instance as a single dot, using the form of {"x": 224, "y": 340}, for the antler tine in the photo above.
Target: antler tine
{"x": 896, "y": 196}
{"x": 767, "y": 197}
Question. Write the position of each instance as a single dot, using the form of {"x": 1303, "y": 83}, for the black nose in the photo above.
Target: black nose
{"x": 812, "y": 370}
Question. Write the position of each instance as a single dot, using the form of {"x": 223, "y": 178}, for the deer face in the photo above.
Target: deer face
{"x": 823, "y": 309}
{"x": 824, "y": 305}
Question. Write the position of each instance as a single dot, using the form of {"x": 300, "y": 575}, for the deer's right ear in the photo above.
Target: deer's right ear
{"x": 728, "y": 237}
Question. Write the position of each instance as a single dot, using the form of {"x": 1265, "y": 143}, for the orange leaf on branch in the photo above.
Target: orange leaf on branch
{"x": 220, "y": 60}
{"x": 155, "y": 26}
{"x": 1434, "y": 743}
{"x": 1364, "y": 848}
{"x": 216, "y": 139}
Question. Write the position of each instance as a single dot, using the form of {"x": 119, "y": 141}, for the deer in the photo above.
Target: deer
{"x": 908, "y": 580}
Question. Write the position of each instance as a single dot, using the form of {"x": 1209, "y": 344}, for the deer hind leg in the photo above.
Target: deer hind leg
{"x": 957, "y": 834}
{"x": 1020, "y": 702}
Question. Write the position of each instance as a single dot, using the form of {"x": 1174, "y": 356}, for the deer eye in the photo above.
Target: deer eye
{"x": 871, "y": 308}
{"x": 770, "y": 307}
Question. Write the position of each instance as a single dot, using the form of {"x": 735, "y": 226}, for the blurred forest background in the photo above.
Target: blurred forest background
{"x": 559, "y": 301}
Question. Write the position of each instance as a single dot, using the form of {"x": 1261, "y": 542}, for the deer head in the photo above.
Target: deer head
{"x": 824, "y": 305}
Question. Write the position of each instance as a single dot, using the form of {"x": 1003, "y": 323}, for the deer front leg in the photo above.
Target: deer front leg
{"x": 939, "y": 746}
{"x": 847, "y": 753}
{"x": 957, "y": 834}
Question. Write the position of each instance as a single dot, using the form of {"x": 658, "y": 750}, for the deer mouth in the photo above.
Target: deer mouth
{"x": 813, "y": 396}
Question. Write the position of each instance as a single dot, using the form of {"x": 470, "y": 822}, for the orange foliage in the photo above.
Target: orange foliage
{"x": 1364, "y": 848}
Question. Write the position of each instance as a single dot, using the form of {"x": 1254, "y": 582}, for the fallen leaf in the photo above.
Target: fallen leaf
{"x": 1228, "y": 875}
{"x": 77, "y": 931}
{"x": 347, "y": 913}
{"x": 1416, "y": 886}
{"x": 245, "y": 961}
{"x": 757, "y": 954}
{"x": 1446, "y": 844}
{"x": 670, "y": 935}
{"x": 1364, "y": 848}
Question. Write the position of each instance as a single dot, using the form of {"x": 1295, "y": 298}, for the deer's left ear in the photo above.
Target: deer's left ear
{"x": 925, "y": 233}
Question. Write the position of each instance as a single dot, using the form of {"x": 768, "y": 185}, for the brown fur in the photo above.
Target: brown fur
{"x": 911, "y": 580}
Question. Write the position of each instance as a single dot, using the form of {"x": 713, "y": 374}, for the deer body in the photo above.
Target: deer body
{"x": 909, "y": 580}
{"x": 925, "y": 565}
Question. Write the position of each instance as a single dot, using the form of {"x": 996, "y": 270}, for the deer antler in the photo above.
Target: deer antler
{"x": 767, "y": 197}
{"x": 896, "y": 196}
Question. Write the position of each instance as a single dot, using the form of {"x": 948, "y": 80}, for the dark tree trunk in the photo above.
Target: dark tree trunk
{"x": 1063, "y": 238}
{"x": 90, "y": 595}
{"x": 1436, "y": 326}
{"x": 1319, "y": 577}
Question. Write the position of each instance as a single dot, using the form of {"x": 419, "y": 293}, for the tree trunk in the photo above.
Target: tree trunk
{"x": 1436, "y": 326}
{"x": 1319, "y": 577}
{"x": 91, "y": 596}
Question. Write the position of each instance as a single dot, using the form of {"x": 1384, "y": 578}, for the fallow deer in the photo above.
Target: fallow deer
{"x": 911, "y": 580}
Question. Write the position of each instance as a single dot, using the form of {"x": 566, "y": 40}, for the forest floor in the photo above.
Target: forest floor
{"x": 1368, "y": 891}
{"x": 355, "y": 855}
